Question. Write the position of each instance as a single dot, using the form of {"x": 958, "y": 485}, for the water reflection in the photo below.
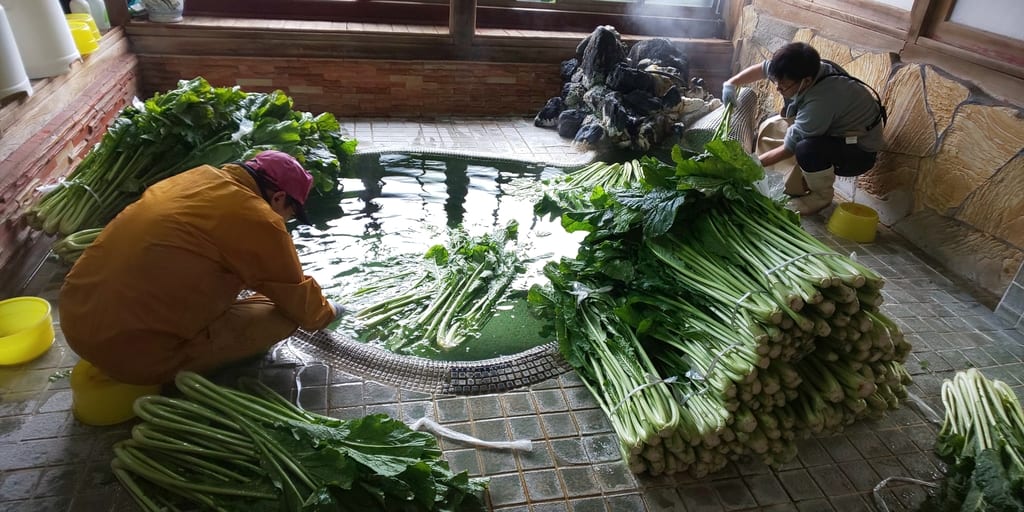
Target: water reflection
{"x": 402, "y": 204}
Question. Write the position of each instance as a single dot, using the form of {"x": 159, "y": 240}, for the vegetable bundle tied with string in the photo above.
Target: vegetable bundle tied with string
{"x": 222, "y": 449}
{"x": 699, "y": 310}
{"x": 982, "y": 440}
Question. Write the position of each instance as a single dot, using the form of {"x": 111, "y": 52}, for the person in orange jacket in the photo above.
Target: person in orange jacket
{"x": 158, "y": 291}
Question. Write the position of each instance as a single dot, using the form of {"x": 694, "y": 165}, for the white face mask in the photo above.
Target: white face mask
{"x": 789, "y": 107}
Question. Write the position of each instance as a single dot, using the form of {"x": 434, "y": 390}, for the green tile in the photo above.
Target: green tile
{"x": 569, "y": 452}
{"x": 553, "y": 506}
{"x": 494, "y": 462}
{"x": 550, "y": 400}
{"x": 592, "y": 421}
{"x": 614, "y": 477}
{"x": 450, "y": 410}
{"x": 491, "y": 430}
{"x": 412, "y": 411}
{"x": 19, "y": 485}
{"x": 543, "y": 485}
{"x": 733, "y": 494}
{"x": 626, "y": 503}
{"x": 463, "y": 460}
{"x": 602, "y": 448}
{"x": 484, "y": 407}
{"x": 579, "y": 481}
{"x": 588, "y": 505}
{"x": 506, "y": 490}
{"x": 537, "y": 458}
{"x": 518, "y": 404}
{"x": 559, "y": 425}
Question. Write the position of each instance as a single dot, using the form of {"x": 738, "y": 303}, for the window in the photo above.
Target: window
{"x": 987, "y": 32}
{"x": 670, "y": 18}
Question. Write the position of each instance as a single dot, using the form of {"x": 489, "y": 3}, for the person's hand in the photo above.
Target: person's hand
{"x": 338, "y": 309}
{"x": 728, "y": 93}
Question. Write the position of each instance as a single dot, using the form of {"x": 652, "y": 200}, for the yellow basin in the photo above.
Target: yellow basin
{"x": 854, "y": 222}
{"x": 96, "y": 399}
{"x": 26, "y": 329}
{"x": 85, "y": 41}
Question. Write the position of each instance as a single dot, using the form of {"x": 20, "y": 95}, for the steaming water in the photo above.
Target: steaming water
{"x": 403, "y": 204}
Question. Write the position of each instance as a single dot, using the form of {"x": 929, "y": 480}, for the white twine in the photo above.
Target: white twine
{"x": 794, "y": 259}
{"x": 929, "y": 413}
{"x": 734, "y": 311}
{"x": 428, "y": 425}
{"x": 881, "y": 502}
{"x": 651, "y": 381}
{"x": 303, "y": 364}
{"x": 68, "y": 184}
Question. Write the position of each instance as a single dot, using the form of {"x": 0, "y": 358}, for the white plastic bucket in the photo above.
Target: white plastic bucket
{"x": 13, "y": 78}
{"x": 43, "y": 37}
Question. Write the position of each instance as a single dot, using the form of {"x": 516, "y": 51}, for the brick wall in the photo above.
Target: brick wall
{"x": 45, "y": 136}
{"x": 371, "y": 88}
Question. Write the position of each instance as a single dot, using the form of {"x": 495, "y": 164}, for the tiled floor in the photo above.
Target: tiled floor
{"x": 49, "y": 462}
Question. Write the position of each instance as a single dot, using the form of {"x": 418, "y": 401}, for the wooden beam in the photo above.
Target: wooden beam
{"x": 488, "y": 45}
{"x": 848, "y": 29}
{"x": 462, "y": 22}
{"x": 117, "y": 12}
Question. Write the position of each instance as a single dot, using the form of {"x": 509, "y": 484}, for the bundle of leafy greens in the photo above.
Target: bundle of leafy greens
{"x": 172, "y": 132}
{"x": 223, "y": 449}
{"x": 448, "y": 299}
{"x": 982, "y": 441}
{"x": 693, "y": 284}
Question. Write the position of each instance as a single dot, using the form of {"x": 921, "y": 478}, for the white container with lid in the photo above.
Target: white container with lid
{"x": 13, "y": 78}
{"x": 43, "y": 36}
{"x": 99, "y": 14}
{"x": 80, "y": 6}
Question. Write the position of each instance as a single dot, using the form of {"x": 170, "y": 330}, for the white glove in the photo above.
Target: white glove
{"x": 728, "y": 93}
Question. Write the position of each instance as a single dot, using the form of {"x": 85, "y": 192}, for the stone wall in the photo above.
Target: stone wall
{"x": 44, "y": 136}
{"x": 951, "y": 174}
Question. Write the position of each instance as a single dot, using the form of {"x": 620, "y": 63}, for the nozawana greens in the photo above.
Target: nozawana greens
{"x": 178, "y": 130}
{"x": 224, "y": 449}
{"x": 707, "y": 323}
{"x": 982, "y": 441}
{"x": 444, "y": 300}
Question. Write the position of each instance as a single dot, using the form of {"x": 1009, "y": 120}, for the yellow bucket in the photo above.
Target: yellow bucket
{"x": 81, "y": 16}
{"x": 854, "y": 222}
{"x": 84, "y": 40}
{"x": 26, "y": 329}
{"x": 96, "y": 399}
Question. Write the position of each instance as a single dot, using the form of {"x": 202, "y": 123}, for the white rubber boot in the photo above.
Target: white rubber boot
{"x": 821, "y": 193}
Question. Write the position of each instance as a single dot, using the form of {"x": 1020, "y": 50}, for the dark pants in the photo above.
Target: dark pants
{"x": 819, "y": 153}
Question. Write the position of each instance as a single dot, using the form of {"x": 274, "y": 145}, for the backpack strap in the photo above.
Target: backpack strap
{"x": 882, "y": 116}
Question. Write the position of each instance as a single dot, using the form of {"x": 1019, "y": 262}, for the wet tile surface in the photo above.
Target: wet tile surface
{"x": 50, "y": 462}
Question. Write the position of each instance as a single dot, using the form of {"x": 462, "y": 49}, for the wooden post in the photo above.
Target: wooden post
{"x": 117, "y": 13}
{"x": 462, "y": 22}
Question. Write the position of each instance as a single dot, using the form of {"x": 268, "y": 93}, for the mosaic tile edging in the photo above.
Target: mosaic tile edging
{"x": 445, "y": 377}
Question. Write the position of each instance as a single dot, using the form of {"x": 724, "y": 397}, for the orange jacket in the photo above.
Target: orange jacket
{"x": 177, "y": 258}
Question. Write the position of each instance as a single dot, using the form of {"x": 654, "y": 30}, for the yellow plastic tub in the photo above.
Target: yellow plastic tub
{"x": 26, "y": 329}
{"x": 88, "y": 20}
{"x": 854, "y": 222}
{"x": 96, "y": 399}
{"x": 84, "y": 40}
